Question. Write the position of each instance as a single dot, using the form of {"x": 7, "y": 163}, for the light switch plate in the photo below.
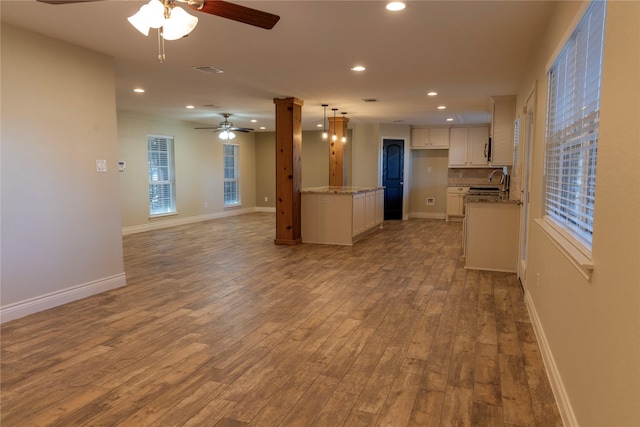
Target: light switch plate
{"x": 101, "y": 165}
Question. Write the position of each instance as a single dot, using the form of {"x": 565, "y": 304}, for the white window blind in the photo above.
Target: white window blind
{"x": 162, "y": 196}
{"x": 572, "y": 128}
{"x": 231, "y": 175}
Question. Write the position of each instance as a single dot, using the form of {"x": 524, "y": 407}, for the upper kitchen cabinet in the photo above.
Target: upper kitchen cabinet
{"x": 430, "y": 138}
{"x": 504, "y": 112}
{"x": 468, "y": 147}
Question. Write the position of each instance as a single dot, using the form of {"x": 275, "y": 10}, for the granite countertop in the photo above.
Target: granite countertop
{"x": 484, "y": 198}
{"x": 340, "y": 190}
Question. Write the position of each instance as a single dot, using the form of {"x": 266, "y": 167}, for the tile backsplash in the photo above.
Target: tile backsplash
{"x": 472, "y": 176}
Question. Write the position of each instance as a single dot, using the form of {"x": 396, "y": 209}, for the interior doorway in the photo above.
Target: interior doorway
{"x": 393, "y": 177}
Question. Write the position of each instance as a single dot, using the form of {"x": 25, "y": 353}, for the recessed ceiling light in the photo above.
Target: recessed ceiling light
{"x": 358, "y": 68}
{"x": 138, "y": 90}
{"x": 432, "y": 93}
{"x": 319, "y": 125}
{"x": 190, "y": 107}
{"x": 262, "y": 128}
{"x": 441, "y": 107}
{"x": 395, "y": 6}
{"x": 254, "y": 121}
{"x": 450, "y": 119}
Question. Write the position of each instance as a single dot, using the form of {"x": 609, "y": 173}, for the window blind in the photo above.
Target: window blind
{"x": 573, "y": 113}
{"x": 231, "y": 174}
{"x": 161, "y": 175}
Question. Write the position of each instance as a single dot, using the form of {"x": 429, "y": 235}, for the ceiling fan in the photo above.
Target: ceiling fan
{"x": 226, "y": 128}
{"x": 220, "y": 8}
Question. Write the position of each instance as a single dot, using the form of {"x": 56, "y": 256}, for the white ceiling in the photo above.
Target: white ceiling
{"x": 467, "y": 51}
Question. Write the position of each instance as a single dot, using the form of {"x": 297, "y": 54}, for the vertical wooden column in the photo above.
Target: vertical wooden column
{"x": 288, "y": 170}
{"x": 337, "y": 127}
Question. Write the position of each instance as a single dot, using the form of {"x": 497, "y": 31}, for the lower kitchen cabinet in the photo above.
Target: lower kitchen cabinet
{"x": 455, "y": 202}
{"x": 491, "y": 236}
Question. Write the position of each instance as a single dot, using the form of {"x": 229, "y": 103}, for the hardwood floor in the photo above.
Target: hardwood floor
{"x": 219, "y": 326}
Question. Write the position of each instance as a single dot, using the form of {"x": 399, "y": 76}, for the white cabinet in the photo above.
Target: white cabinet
{"x": 430, "y": 138}
{"x": 492, "y": 236}
{"x": 504, "y": 111}
{"x": 340, "y": 217}
{"x": 468, "y": 147}
{"x": 455, "y": 202}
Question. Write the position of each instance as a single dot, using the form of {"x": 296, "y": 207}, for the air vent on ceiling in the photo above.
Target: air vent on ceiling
{"x": 210, "y": 106}
{"x": 371, "y": 100}
{"x": 208, "y": 69}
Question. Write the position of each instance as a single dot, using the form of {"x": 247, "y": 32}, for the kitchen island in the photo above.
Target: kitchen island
{"x": 340, "y": 215}
{"x": 491, "y": 233}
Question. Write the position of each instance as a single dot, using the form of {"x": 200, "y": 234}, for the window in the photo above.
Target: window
{"x": 572, "y": 130}
{"x": 231, "y": 175}
{"x": 162, "y": 184}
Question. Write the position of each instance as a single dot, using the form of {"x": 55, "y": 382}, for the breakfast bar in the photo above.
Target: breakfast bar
{"x": 341, "y": 215}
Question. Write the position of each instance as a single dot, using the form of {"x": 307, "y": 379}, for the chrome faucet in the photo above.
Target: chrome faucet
{"x": 502, "y": 178}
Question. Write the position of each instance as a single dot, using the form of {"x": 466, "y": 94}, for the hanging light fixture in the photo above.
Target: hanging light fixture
{"x": 174, "y": 21}
{"x": 334, "y": 137}
{"x": 325, "y": 135}
{"x": 344, "y": 127}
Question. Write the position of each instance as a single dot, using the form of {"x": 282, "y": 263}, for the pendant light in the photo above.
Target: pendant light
{"x": 325, "y": 135}
{"x": 344, "y": 127}
{"x": 334, "y": 137}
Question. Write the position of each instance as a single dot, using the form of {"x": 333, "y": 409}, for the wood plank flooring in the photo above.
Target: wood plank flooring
{"x": 220, "y": 327}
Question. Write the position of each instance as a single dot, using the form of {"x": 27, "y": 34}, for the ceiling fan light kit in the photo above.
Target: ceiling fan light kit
{"x": 174, "y": 21}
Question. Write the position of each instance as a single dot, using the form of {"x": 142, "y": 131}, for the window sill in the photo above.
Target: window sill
{"x": 163, "y": 215}
{"x": 581, "y": 261}
{"x": 236, "y": 206}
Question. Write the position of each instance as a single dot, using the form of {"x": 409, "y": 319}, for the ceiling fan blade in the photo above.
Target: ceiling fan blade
{"x": 209, "y": 127}
{"x": 241, "y": 129}
{"x": 238, "y": 13}
{"x": 65, "y": 1}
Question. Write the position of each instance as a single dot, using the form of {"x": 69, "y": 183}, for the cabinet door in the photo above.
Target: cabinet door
{"x": 419, "y": 138}
{"x": 453, "y": 204}
{"x": 504, "y": 111}
{"x": 359, "y": 213}
{"x": 478, "y": 144}
{"x": 439, "y": 138}
{"x": 458, "y": 147}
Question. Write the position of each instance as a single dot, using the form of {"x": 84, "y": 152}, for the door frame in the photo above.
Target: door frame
{"x": 528, "y": 136}
{"x": 405, "y": 171}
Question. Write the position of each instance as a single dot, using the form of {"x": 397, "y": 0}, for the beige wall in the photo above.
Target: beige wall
{"x": 591, "y": 327}
{"x": 429, "y": 170}
{"x": 60, "y": 218}
{"x": 198, "y": 166}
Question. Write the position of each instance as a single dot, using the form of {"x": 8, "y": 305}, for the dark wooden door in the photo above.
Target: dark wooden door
{"x": 393, "y": 177}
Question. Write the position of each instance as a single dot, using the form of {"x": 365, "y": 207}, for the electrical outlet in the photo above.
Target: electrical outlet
{"x": 537, "y": 280}
{"x": 266, "y": 199}
{"x": 206, "y": 204}
{"x": 431, "y": 201}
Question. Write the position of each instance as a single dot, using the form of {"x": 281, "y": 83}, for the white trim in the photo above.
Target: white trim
{"x": 571, "y": 250}
{"x": 265, "y": 209}
{"x": 427, "y": 215}
{"x": 57, "y": 298}
{"x": 555, "y": 379}
{"x": 157, "y": 225}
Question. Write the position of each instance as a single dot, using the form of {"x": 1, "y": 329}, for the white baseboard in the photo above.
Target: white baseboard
{"x": 165, "y": 223}
{"x": 427, "y": 215}
{"x": 559, "y": 391}
{"x": 64, "y": 296}
{"x": 265, "y": 209}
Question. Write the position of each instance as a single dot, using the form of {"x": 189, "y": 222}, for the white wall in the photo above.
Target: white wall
{"x": 590, "y": 328}
{"x": 61, "y": 236}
